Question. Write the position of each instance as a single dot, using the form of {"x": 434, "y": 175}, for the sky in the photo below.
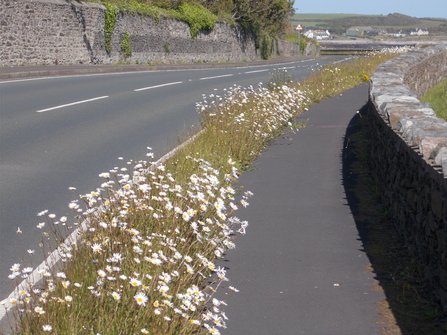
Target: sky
{"x": 416, "y": 8}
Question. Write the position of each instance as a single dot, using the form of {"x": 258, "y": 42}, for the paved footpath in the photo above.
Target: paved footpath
{"x": 301, "y": 268}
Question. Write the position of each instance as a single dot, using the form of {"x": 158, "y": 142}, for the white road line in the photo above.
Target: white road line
{"x": 285, "y": 68}
{"x": 225, "y": 75}
{"x": 71, "y": 104}
{"x": 256, "y": 71}
{"x": 150, "y": 87}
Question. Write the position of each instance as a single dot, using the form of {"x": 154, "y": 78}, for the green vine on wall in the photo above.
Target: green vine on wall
{"x": 266, "y": 46}
{"x": 125, "y": 45}
{"x": 263, "y": 41}
{"x": 110, "y": 15}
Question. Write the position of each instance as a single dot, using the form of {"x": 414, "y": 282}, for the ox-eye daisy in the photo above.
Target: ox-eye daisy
{"x": 96, "y": 247}
{"x": 141, "y": 298}
{"x": 116, "y": 296}
{"x": 135, "y": 282}
{"x": 47, "y": 328}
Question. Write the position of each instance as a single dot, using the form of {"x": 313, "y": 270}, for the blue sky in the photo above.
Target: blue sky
{"x": 417, "y": 8}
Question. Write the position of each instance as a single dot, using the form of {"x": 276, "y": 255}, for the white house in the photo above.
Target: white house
{"x": 401, "y": 33}
{"x": 419, "y": 32}
{"x": 317, "y": 34}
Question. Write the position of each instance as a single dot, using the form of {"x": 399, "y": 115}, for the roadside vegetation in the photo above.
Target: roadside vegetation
{"x": 265, "y": 19}
{"x": 437, "y": 97}
{"x": 149, "y": 237}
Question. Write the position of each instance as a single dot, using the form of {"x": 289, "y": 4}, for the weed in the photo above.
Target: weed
{"x": 278, "y": 79}
{"x": 125, "y": 45}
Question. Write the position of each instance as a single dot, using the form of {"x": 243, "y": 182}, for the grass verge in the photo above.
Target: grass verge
{"x": 145, "y": 263}
{"x": 437, "y": 97}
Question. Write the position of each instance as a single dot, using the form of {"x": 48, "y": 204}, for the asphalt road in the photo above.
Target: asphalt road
{"x": 61, "y": 132}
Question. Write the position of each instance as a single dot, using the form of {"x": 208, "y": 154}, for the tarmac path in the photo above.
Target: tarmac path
{"x": 301, "y": 268}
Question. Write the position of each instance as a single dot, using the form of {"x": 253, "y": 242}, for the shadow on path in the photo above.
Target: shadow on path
{"x": 410, "y": 307}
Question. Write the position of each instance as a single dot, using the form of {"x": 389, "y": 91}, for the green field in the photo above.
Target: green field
{"x": 314, "y": 19}
{"x": 437, "y": 97}
{"x": 392, "y": 22}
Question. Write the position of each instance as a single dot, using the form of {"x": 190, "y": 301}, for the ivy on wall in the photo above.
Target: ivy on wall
{"x": 125, "y": 45}
{"x": 111, "y": 14}
{"x": 265, "y": 45}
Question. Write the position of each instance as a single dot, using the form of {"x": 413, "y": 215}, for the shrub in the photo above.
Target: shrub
{"x": 197, "y": 17}
{"x": 125, "y": 45}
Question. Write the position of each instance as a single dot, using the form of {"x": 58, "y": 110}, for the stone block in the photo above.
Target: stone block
{"x": 396, "y": 114}
{"x": 443, "y": 280}
{"x": 439, "y": 151}
{"x": 436, "y": 203}
{"x": 444, "y": 165}
{"x": 442, "y": 243}
{"x": 429, "y": 141}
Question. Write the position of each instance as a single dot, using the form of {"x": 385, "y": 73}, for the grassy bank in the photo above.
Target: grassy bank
{"x": 437, "y": 97}
{"x": 145, "y": 263}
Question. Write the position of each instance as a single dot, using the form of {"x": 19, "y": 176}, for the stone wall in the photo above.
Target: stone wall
{"x": 429, "y": 71}
{"x": 69, "y": 32}
{"x": 50, "y": 32}
{"x": 311, "y": 49}
{"x": 286, "y": 48}
{"x": 409, "y": 158}
{"x": 170, "y": 40}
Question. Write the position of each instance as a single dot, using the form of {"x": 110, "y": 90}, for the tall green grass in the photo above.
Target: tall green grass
{"x": 437, "y": 97}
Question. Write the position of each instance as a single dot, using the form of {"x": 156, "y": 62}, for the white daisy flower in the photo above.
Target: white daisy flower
{"x": 135, "y": 282}
{"x": 96, "y": 247}
{"x": 47, "y": 328}
{"x": 141, "y": 298}
{"x": 116, "y": 295}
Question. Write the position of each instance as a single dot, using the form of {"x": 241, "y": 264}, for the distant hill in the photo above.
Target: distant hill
{"x": 395, "y": 19}
{"x": 339, "y": 23}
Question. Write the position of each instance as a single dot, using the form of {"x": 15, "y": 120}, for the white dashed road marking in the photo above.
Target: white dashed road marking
{"x": 71, "y": 104}
{"x": 151, "y": 87}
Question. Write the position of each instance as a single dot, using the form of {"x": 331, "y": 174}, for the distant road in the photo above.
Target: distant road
{"x": 61, "y": 132}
